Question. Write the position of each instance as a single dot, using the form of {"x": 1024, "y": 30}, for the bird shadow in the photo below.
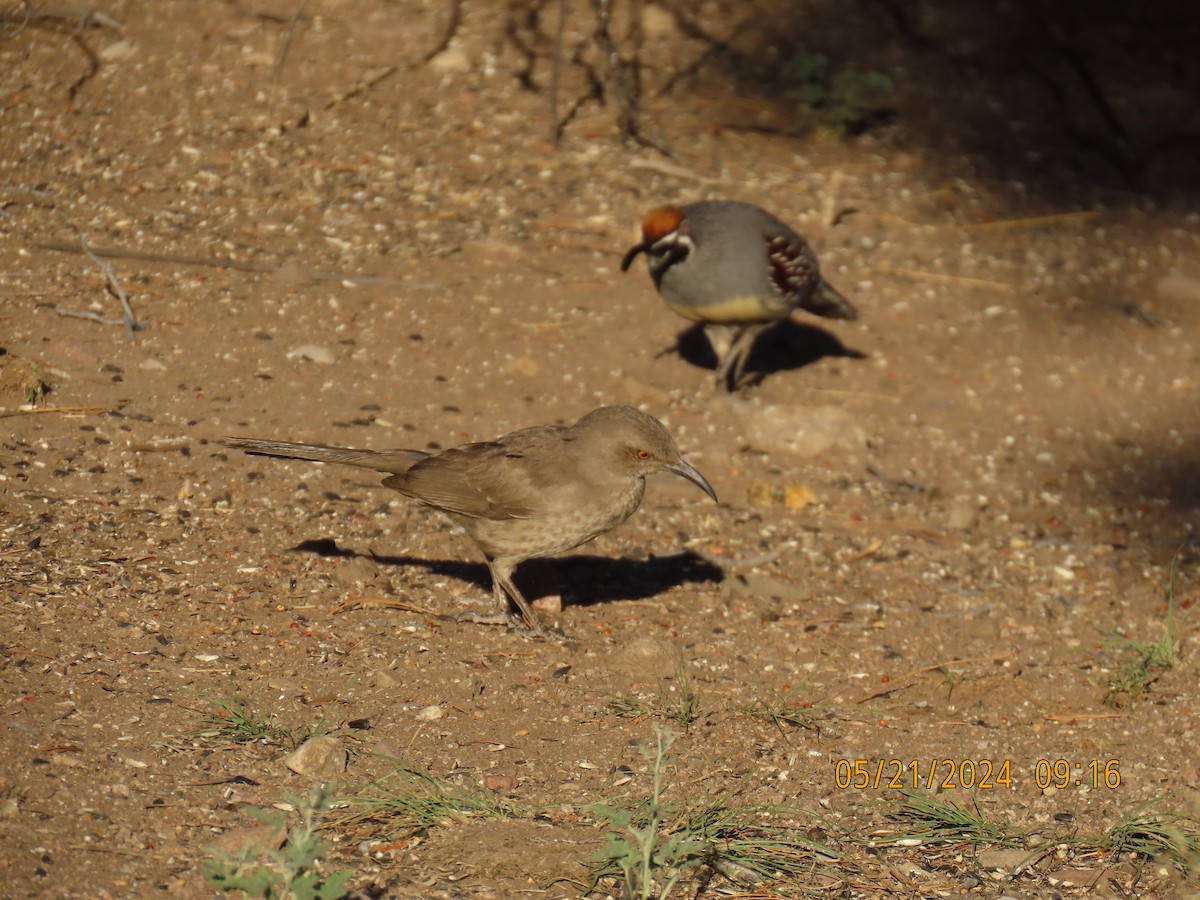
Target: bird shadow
{"x": 783, "y": 347}
{"x": 583, "y": 580}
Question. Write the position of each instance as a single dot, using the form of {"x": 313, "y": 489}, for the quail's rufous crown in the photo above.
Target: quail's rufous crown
{"x": 661, "y": 222}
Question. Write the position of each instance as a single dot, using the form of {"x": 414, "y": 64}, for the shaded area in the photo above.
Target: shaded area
{"x": 584, "y": 580}
{"x": 1105, "y": 89}
{"x": 782, "y": 348}
{"x": 1160, "y": 489}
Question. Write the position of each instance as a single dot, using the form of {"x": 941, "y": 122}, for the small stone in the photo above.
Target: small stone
{"x": 118, "y": 52}
{"x": 152, "y": 365}
{"x": 525, "y": 365}
{"x": 804, "y": 430}
{"x": 283, "y": 685}
{"x": 356, "y": 572}
{"x": 658, "y": 23}
{"x": 451, "y": 61}
{"x": 321, "y": 758}
{"x": 313, "y": 353}
{"x": 765, "y": 494}
{"x": 431, "y": 714}
{"x": 1079, "y": 878}
{"x": 500, "y": 784}
{"x": 962, "y": 512}
{"x": 797, "y": 496}
{"x": 385, "y": 680}
{"x": 756, "y": 586}
{"x": 551, "y": 603}
{"x": 1178, "y": 287}
{"x": 1003, "y": 860}
{"x": 646, "y": 658}
{"x": 639, "y": 392}
{"x": 256, "y": 837}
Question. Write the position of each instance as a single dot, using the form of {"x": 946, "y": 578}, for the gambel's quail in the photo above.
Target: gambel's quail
{"x": 531, "y": 493}
{"x": 736, "y": 269}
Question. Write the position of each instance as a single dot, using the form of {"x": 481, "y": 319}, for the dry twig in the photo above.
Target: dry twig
{"x": 63, "y": 410}
{"x": 448, "y": 34}
{"x": 217, "y": 262}
{"x": 360, "y": 602}
{"x": 896, "y": 683}
{"x": 941, "y": 278}
{"x": 361, "y": 88}
{"x": 733, "y": 563}
{"x": 287, "y": 42}
{"x": 128, "y": 319}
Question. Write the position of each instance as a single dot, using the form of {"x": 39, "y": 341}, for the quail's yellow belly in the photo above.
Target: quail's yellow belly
{"x": 735, "y": 310}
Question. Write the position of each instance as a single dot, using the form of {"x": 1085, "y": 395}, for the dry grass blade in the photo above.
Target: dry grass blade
{"x": 407, "y": 801}
{"x": 934, "y": 820}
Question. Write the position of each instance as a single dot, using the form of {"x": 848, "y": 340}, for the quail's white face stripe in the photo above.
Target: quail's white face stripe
{"x": 672, "y": 239}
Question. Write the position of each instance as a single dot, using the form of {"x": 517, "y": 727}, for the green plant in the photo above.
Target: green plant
{"x": 626, "y": 707}
{"x": 231, "y": 721}
{"x": 679, "y": 701}
{"x": 676, "y": 700}
{"x": 647, "y": 861}
{"x": 935, "y": 820}
{"x": 1149, "y": 660}
{"x": 842, "y": 101}
{"x": 34, "y": 385}
{"x": 783, "y": 712}
{"x": 650, "y": 846}
{"x": 1155, "y": 834}
{"x": 407, "y": 801}
{"x": 290, "y": 872}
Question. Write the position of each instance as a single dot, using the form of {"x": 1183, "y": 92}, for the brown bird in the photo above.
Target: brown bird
{"x": 535, "y": 492}
{"x": 735, "y": 269}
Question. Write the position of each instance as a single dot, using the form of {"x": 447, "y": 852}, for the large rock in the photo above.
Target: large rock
{"x": 802, "y": 430}
{"x": 321, "y": 758}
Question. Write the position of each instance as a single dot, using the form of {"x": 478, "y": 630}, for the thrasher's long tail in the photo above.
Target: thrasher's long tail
{"x": 391, "y": 461}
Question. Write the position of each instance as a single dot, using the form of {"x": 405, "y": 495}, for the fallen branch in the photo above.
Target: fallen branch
{"x": 362, "y": 87}
{"x": 733, "y": 563}
{"x": 663, "y": 167}
{"x": 362, "y": 602}
{"x": 128, "y": 319}
{"x": 43, "y": 410}
{"x": 895, "y": 683}
{"x": 217, "y": 262}
{"x": 1069, "y": 218}
{"x": 940, "y": 278}
{"x": 448, "y": 34}
{"x": 286, "y": 44}
{"x": 55, "y": 18}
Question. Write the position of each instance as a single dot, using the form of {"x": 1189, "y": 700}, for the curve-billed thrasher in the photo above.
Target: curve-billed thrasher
{"x": 534, "y": 492}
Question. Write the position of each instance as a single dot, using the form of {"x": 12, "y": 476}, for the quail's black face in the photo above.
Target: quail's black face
{"x": 673, "y": 247}
{"x": 666, "y": 240}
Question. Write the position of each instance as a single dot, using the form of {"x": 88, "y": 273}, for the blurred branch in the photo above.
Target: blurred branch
{"x": 447, "y": 35}
{"x": 609, "y": 67}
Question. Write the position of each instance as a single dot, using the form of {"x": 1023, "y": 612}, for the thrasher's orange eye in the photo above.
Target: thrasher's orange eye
{"x": 643, "y": 454}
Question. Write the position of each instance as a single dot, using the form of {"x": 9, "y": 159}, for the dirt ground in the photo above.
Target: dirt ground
{"x": 339, "y": 227}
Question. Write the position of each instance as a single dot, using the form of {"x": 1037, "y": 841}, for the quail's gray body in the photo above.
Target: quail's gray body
{"x": 532, "y": 493}
{"x": 736, "y": 269}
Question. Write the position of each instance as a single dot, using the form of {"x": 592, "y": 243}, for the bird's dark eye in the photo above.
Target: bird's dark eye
{"x": 643, "y": 454}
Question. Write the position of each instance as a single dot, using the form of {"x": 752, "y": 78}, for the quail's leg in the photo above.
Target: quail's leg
{"x": 739, "y": 354}
{"x": 722, "y": 338}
